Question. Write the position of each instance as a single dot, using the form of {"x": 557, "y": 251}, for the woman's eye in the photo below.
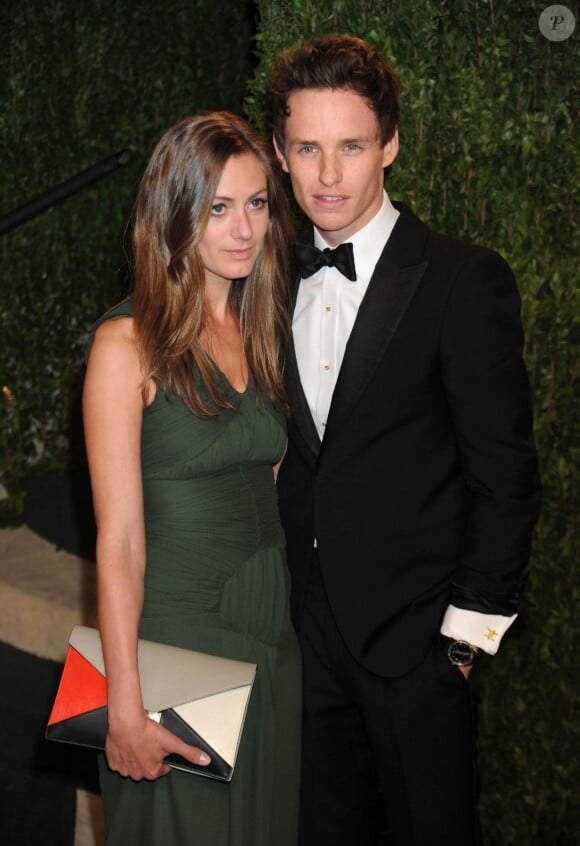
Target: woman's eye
{"x": 258, "y": 203}
{"x": 218, "y": 208}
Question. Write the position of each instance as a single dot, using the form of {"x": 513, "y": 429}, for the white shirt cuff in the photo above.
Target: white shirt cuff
{"x": 482, "y": 630}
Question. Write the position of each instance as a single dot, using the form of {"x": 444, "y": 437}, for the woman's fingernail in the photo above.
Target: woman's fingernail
{"x": 204, "y": 759}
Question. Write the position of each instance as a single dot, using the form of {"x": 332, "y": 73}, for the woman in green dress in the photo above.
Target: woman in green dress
{"x": 184, "y": 422}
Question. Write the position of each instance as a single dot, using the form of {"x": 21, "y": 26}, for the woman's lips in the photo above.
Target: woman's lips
{"x": 241, "y": 254}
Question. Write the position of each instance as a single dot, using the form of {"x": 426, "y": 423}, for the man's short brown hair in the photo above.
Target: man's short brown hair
{"x": 336, "y": 62}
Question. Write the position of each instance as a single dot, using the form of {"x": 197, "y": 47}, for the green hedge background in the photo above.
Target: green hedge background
{"x": 488, "y": 154}
{"x": 79, "y": 81}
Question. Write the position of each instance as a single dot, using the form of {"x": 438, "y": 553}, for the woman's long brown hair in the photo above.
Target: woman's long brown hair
{"x": 170, "y": 216}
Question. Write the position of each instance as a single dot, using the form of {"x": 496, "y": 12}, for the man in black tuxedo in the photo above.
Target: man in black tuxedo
{"x": 409, "y": 489}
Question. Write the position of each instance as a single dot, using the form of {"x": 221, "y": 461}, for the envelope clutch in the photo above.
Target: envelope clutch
{"x": 201, "y": 698}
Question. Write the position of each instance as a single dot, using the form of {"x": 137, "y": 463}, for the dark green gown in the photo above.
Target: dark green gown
{"x": 216, "y": 581}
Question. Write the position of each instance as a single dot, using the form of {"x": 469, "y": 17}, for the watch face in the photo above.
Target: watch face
{"x": 460, "y": 653}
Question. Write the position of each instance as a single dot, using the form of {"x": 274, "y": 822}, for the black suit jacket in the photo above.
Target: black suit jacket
{"x": 424, "y": 490}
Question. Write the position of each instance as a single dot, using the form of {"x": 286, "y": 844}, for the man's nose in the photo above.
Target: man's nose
{"x": 330, "y": 172}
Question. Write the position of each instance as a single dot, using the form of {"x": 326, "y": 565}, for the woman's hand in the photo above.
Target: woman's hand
{"x": 136, "y": 746}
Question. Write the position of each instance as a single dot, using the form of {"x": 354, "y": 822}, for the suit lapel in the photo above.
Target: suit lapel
{"x": 299, "y": 407}
{"x": 391, "y": 289}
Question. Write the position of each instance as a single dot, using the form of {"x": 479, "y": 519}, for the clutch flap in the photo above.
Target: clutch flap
{"x": 170, "y": 675}
{"x": 87, "y": 642}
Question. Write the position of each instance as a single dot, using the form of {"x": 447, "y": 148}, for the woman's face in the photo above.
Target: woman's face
{"x": 238, "y": 223}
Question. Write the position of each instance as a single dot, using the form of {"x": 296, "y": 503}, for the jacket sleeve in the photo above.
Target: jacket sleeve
{"x": 488, "y": 393}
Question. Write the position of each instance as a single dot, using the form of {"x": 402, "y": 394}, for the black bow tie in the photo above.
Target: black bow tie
{"x": 309, "y": 259}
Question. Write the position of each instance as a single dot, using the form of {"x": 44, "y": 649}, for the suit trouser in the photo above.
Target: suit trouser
{"x": 388, "y": 758}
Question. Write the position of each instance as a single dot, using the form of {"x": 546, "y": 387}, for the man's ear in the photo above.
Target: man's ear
{"x": 391, "y": 149}
{"x": 280, "y": 155}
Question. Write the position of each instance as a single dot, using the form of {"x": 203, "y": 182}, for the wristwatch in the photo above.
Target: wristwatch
{"x": 461, "y": 653}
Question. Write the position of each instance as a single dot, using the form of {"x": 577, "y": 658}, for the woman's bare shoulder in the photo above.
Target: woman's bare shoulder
{"x": 116, "y": 330}
{"x": 114, "y": 348}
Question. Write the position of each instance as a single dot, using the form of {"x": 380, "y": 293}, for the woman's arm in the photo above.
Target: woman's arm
{"x": 112, "y": 411}
{"x": 276, "y": 467}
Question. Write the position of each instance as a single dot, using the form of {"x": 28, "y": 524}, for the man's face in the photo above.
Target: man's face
{"x": 333, "y": 154}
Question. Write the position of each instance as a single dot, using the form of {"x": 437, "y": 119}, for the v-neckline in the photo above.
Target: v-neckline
{"x": 229, "y": 384}
{"x": 227, "y": 381}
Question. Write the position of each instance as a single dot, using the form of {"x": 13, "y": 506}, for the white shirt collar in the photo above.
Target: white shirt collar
{"x": 369, "y": 242}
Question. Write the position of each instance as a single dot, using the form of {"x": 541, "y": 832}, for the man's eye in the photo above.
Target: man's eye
{"x": 307, "y": 148}
{"x": 352, "y": 146}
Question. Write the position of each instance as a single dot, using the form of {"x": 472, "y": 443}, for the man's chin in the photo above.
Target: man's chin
{"x": 329, "y": 222}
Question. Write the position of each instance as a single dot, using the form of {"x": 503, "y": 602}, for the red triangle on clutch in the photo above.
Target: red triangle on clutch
{"x": 82, "y": 688}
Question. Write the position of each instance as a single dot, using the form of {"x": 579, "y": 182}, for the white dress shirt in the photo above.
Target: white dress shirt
{"x": 326, "y": 308}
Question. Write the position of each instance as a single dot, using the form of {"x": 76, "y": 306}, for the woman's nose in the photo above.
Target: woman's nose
{"x": 242, "y": 228}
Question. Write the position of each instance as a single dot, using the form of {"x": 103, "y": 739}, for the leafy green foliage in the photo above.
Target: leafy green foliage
{"x": 488, "y": 155}
{"x": 79, "y": 82}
